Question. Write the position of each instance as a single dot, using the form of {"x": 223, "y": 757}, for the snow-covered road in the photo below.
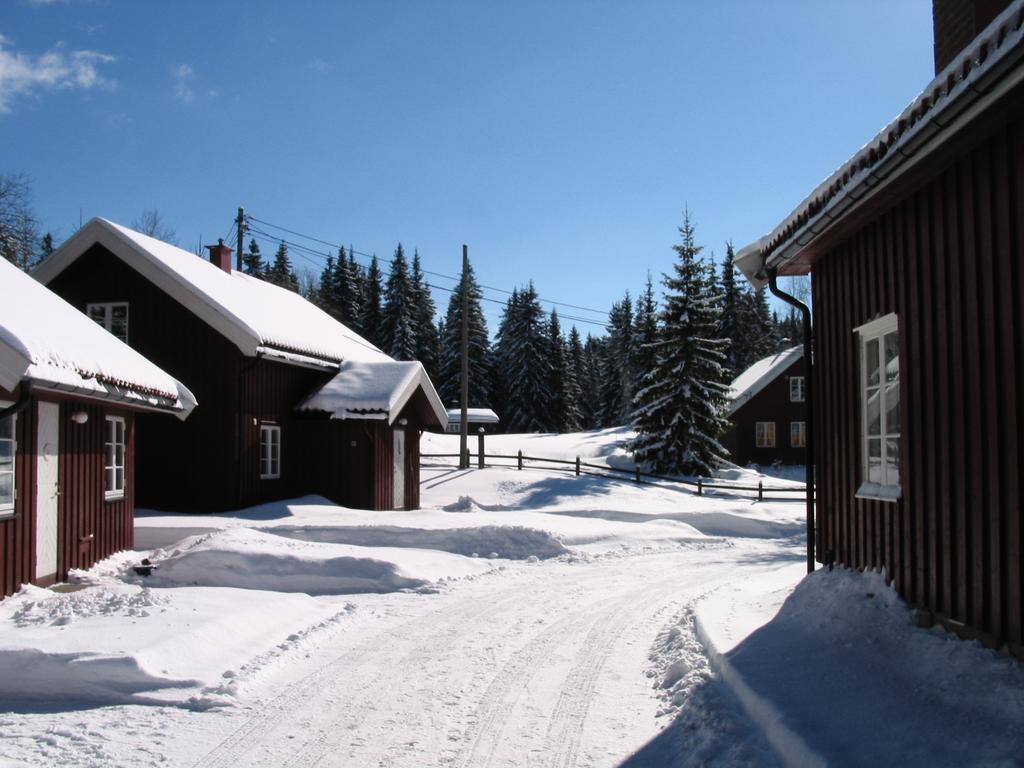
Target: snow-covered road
{"x": 544, "y": 666}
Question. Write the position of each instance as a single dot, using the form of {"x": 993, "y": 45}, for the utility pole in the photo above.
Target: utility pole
{"x": 464, "y": 415}
{"x": 240, "y": 221}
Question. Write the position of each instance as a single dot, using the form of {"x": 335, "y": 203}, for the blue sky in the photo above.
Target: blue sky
{"x": 559, "y": 140}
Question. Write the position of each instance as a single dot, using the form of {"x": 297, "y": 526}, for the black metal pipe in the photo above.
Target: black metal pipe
{"x": 805, "y": 311}
{"x": 23, "y": 400}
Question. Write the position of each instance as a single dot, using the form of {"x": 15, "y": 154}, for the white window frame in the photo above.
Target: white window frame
{"x": 112, "y": 490}
{"x": 798, "y": 434}
{"x": 887, "y": 487}
{"x": 7, "y": 508}
{"x": 107, "y": 319}
{"x": 797, "y": 391}
{"x": 270, "y": 465}
{"x": 764, "y": 434}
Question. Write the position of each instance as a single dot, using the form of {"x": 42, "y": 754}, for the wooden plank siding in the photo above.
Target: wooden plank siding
{"x": 770, "y": 404}
{"x": 947, "y": 260}
{"x": 18, "y": 532}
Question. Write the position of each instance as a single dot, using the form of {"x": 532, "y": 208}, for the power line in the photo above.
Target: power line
{"x": 425, "y": 271}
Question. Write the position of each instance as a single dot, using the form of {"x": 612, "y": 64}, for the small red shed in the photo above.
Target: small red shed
{"x": 69, "y": 397}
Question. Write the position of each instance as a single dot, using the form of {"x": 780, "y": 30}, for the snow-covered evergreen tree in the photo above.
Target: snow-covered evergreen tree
{"x": 571, "y": 419}
{"x": 326, "y": 288}
{"x": 617, "y": 377}
{"x": 590, "y": 382}
{"x": 252, "y": 261}
{"x": 281, "y": 272}
{"x": 428, "y": 343}
{"x": 399, "y": 329}
{"x": 449, "y": 380}
{"x": 554, "y": 418}
{"x": 680, "y": 412}
{"x": 371, "y": 317}
{"x": 645, "y": 334}
{"x": 522, "y": 362}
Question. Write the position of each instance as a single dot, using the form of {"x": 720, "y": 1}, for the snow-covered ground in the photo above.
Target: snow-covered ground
{"x": 520, "y": 618}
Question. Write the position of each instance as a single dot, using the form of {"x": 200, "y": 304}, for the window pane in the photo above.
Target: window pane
{"x": 871, "y": 362}
{"x": 892, "y": 408}
{"x": 874, "y": 414}
{"x": 119, "y": 456}
{"x": 7, "y": 428}
{"x": 6, "y": 452}
{"x": 109, "y": 481}
{"x": 119, "y": 479}
{"x": 892, "y": 359}
{"x": 874, "y": 460}
{"x": 99, "y": 314}
{"x": 892, "y": 462}
{"x": 6, "y": 488}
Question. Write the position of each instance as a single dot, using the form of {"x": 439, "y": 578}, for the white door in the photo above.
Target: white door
{"x": 47, "y": 491}
{"x": 399, "y": 454}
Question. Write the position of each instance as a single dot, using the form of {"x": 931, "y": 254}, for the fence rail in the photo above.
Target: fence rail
{"x": 700, "y": 486}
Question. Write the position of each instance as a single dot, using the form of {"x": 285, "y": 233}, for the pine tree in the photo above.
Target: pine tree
{"x": 46, "y": 246}
{"x": 280, "y": 272}
{"x": 735, "y": 315}
{"x": 327, "y": 289}
{"x": 252, "y": 261}
{"x": 428, "y": 342}
{"x": 617, "y": 377}
{"x": 347, "y": 290}
{"x": 590, "y": 382}
{"x": 554, "y": 418}
{"x": 645, "y": 334}
{"x": 371, "y": 318}
{"x": 572, "y": 396}
{"x": 522, "y": 349}
{"x": 449, "y": 378}
{"x": 399, "y": 328}
{"x": 679, "y": 414}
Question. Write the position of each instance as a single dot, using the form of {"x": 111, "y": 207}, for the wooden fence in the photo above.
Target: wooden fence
{"x": 699, "y": 486}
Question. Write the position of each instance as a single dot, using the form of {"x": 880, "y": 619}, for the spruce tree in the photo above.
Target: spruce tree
{"x": 554, "y": 418}
{"x": 449, "y": 380}
{"x": 46, "y": 246}
{"x": 680, "y": 412}
{"x": 618, "y": 372}
{"x": 645, "y": 333}
{"x": 590, "y": 383}
{"x": 327, "y": 291}
{"x": 522, "y": 355}
{"x": 371, "y": 318}
{"x": 399, "y": 327}
{"x": 252, "y": 261}
{"x": 572, "y": 360}
{"x": 347, "y": 290}
{"x": 280, "y": 272}
{"x": 428, "y": 342}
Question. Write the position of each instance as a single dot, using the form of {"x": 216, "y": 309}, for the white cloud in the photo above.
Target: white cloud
{"x": 25, "y": 75}
{"x": 321, "y": 66}
{"x": 183, "y": 77}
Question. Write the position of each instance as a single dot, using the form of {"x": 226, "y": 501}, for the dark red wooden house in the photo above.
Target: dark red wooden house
{"x": 767, "y": 412}
{"x": 253, "y": 353}
{"x": 916, "y": 250}
{"x": 70, "y": 395}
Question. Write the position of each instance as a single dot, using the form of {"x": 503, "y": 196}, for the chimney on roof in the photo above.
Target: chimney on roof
{"x": 955, "y": 23}
{"x": 220, "y": 255}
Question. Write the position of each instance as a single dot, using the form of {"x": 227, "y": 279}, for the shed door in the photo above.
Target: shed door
{"x": 47, "y": 490}
{"x": 399, "y": 460}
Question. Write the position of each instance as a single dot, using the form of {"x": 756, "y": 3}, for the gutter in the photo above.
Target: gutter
{"x": 23, "y": 401}
{"x": 809, "y": 447}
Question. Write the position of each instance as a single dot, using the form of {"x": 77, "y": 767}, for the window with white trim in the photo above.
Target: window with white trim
{"x": 270, "y": 451}
{"x": 111, "y": 315}
{"x": 764, "y": 434}
{"x": 880, "y": 408}
{"x": 8, "y": 457}
{"x": 796, "y": 389}
{"x": 114, "y": 461}
{"x": 798, "y": 434}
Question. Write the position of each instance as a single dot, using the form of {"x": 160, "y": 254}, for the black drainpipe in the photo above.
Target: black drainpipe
{"x": 809, "y": 366}
{"x": 26, "y": 395}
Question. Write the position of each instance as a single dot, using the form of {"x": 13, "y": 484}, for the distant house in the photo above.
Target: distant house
{"x": 293, "y": 401}
{"x": 767, "y": 412}
{"x": 916, "y": 248}
{"x": 476, "y": 418}
{"x": 70, "y": 395}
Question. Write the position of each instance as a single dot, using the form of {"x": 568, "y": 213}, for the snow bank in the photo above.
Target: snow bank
{"x": 253, "y": 559}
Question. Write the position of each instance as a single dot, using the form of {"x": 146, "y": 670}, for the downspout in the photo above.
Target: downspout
{"x": 809, "y": 364}
{"x": 243, "y": 418}
{"x": 23, "y": 400}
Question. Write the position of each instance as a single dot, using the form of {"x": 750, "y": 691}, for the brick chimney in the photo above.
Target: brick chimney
{"x": 956, "y": 22}
{"x": 220, "y": 255}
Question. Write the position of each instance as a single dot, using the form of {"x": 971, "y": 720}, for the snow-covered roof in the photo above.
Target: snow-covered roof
{"x": 374, "y": 390}
{"x": 760, "y": 375}
{"x": 474, "y": 415}
{"x": 981, "y": 71}
{"x": 258, "y": 317}
{"x": 46, "y": 341}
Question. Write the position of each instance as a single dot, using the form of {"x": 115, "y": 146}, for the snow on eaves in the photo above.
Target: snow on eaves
{"x": 760, "y": 375}
{"x": 46, "y": 341}
{"x": 369, "y": 390}
{"x": 475, "y": 415}
{"x": 997, "y": 49}
{"x": 254, "y": 315}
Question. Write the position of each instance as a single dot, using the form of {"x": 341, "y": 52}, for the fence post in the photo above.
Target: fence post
{"x": 520, "y": 458}
{"x": 480, "y": 449}
{"x": 577, "y": 466}
{"x": 700, "y": 487}
{"x": 638, "y": 474}
{"x": 760, "y": 490}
